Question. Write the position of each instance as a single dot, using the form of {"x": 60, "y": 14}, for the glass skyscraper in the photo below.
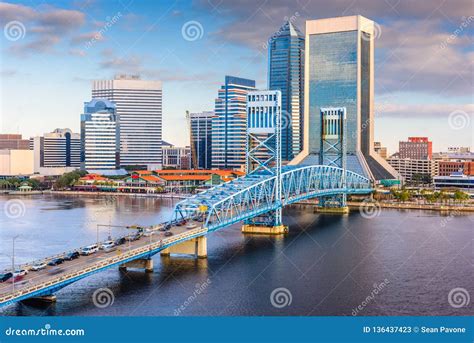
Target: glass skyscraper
{"x": 286, "y": 73}
{"x": 339, "y": 72}
{"x": 200, "y": 125}
{"x": 229, "y": 123}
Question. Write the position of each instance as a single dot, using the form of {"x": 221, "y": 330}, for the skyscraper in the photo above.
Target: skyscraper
{"x": 139, "y": 113}
{"x": 100, "y": 136}
{"x": 417, "y": 148}
{"x": 286, "y": 73}
{"x": 339, "y": 72}
{"x": 200, "y": 127}
{"x": 229, "y": 123}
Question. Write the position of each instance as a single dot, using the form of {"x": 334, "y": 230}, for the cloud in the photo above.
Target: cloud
{"x": 87, "y": 37}
{"x": 44, "y": 28}
{"x": 420, "y": 110}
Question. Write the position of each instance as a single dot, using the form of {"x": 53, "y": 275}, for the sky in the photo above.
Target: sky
{"x": 50, "y": 51}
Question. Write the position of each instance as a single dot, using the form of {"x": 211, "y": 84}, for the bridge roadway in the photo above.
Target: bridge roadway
{"x": 53, "y": 278}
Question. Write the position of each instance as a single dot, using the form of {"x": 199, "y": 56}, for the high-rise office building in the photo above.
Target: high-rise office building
{"x": 417, "y": 148}
{"x": 200, "y": 127}
{"x": 139, "y": 113}
{"x": 381, "y": 150}
{"x": 100, "y": 136}
{"x": 339, "y": 72}
{"x": 229, "y": 123}
{"x": 58, "y": 149}
{"x": 286, "y": 74}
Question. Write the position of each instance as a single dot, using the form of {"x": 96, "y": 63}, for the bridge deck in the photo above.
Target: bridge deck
{"x": 37, "y": 283}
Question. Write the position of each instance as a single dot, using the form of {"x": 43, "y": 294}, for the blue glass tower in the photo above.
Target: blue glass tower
{"x": 286, "y": 74}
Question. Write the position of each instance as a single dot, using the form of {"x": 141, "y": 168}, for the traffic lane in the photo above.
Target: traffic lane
{"x": 82, "y": 262}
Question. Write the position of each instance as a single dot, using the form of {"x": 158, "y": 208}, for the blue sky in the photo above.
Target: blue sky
{"x": 423, "y": 58}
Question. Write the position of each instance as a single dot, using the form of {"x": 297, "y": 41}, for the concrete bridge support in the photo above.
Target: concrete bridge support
{"x": 265, "y": 230}
{"x": 142, "y": 263}
{"x": 196, "y": 247}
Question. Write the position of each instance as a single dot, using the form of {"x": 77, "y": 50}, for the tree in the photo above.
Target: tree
{"x": 69, "y": 179}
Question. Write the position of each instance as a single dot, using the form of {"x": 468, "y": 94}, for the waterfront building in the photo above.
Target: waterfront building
{"x": 175, "y": 157}
{"x": 100, "y": 136}
{"x": 139, "y": 112}
{"x": 200, "y": 130}
{"x": 379, "y": 149}
{"x": 13, "y": 141}
{"x": 446, "y": 168}
{"x": 58, "y": 149}
{"x": 417, "y": 148}
{"x": 413, "y": 170}
{"x": 16, "y": 162}
{"x": 286, "y": 74}
{"x": 229, "y": 123}
{"x": 455, "y": 181}
{"x": 339, "y": 72}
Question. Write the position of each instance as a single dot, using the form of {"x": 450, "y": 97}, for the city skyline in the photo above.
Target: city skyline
{"x": 87, "y": 37}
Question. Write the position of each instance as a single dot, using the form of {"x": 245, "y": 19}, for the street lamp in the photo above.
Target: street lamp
{"x": 13, "y": 260}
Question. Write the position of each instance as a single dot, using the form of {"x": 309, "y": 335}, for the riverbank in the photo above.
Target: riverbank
{"x": 133, "y": 195}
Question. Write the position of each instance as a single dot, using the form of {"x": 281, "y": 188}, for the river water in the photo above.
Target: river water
{"x": 399, "y": 262}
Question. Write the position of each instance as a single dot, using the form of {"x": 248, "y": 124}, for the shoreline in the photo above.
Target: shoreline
{"x": 133, "y": 195}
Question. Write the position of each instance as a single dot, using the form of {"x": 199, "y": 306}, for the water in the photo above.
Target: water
{"x": 400, "y": 262}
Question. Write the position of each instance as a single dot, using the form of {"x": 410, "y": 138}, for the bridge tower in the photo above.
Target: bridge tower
{"x": 263, "y": 143}
{"x": 333, "y": 152}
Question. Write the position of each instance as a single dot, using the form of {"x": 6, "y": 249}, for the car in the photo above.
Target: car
{"x": 107, "y": 244}
{"x": 20, "y": 272}
{"x": 191, "y": 226}
{"x": 5, "y": 276}
{"x": 167, "y": 227}
{"x": 38, "y": 266}
{"x": 90, "y": 249}
{"x": 120, "y": 241}
{"x": 147, "y": 233}
{"x": 55, "y": 261}
{"x": 71, "y": 256}
{"x": 168, "y": 233}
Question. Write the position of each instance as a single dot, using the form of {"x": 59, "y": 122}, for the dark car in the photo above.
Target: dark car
{"x": 71, "y": 256}
{"x": 55, "y": 262}
{"x": 168, "y": 233}
{"x": 120, "y": 241}
{"x": 4, "y": 277}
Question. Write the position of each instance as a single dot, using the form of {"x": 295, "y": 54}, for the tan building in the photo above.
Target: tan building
{"x": 381, "y": 150}
{"x": 408, "y": 168}
{"x": 13, "y": 141}
{"x": 16, "y": 162}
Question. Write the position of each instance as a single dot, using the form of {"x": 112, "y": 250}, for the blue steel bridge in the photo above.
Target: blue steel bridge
{"x": 217, "y": 208}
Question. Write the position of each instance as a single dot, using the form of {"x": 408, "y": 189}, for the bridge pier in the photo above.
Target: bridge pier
{"x": 196, "y": 246}
{"x": 264, "y": 229}
{"x": 141, "y": 263}
{"x": 44, "y": 298}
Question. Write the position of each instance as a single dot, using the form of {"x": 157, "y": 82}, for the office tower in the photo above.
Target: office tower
{"x": 286, "y": 74}
{"x": 200, "y": 129}
{"x": 263, "y": 152}
{"x": 58, "y": 149}
{"x": 139, "y": 113}
{"x": 339, "y": 72}
{"x": 229, "y": 123}
{"x": 13, "y": 141}
{"x": 100, "y": 136}
{"x": 175, "y": 157}
{"x": 381, "y": 150}
{"x": 417, "y": 148}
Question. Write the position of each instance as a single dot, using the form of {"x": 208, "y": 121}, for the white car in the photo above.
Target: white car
{"x": 191, "y": 226}
{"x": 21, "y": 272}
{"x": 147, "y": 233}
{"x": 90, "y": 249}
{"x": 38, "y": 266}
{"x": 108, "y": 246}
